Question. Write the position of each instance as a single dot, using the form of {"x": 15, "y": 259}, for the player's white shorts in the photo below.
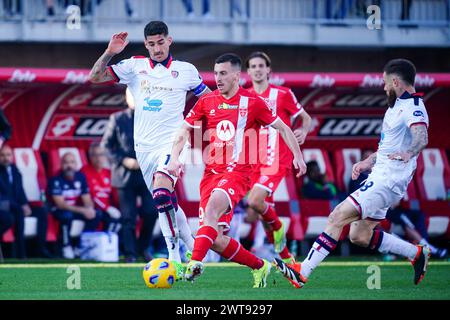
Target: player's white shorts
{"x": 156, "y": 161}
{"x": 377, "y": 195}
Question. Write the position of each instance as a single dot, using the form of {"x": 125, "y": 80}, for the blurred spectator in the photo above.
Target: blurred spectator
{"x": 129, "y": 9}
{"x": 86, "y": 6}
{"x": 127, "y": 178}
{"x": 12, "y": 8}
{"x": 50, "y": 7}
{"x": 337, "y": 9}
{"x": 17, "y": 208}
{"x": 413, "y": 224}
{"x": 406, "y": 9}
{"x": 190, "y": 8}
{"x": 316, "y": 186}
{"x": 99, "y": 183}
{"x": 69, "y": 193}
{"x": 5, "y": 128}
{"x": 356, "y": 184}
{"x": 236, "y": 11}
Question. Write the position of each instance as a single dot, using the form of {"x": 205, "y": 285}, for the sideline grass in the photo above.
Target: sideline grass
{"x": 333, "y": 280}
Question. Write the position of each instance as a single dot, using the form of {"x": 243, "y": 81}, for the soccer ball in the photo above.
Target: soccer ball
{"x": 159, "y": 273}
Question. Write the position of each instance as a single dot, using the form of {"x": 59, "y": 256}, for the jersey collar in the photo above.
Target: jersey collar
{"x": 166, "y": 63}
{"x": 407, "y": 95}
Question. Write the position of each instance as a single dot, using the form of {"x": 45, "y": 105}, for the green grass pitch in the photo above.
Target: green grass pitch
{"x": 332, "y": 280}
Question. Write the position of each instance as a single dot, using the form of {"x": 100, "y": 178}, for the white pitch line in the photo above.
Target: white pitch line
{"x": 220, "y": 264}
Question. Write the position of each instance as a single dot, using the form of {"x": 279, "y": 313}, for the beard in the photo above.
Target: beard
{"x": 391, "y": 98}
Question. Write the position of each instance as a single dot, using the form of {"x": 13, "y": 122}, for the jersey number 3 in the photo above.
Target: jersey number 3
{"x": 366, "y": 186}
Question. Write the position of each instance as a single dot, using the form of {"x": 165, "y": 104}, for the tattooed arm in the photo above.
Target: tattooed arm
{"x": 99, "y": 72}
{"x": 419, "y": 142}
{"x": 363, "y": 165}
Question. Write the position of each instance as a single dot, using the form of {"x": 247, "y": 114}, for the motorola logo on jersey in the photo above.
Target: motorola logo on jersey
{"x": 225, "y": 130}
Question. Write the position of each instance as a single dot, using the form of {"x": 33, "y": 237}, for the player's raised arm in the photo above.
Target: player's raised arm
{"x": 291, "y": 141}
{"x": 419, "y": 135}
{"x": 175, "y": 167}
{"x": 99, "y": 72}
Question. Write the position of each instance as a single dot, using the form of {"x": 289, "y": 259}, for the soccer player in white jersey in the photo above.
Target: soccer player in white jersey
{"x": 404, "y": 135}
{"x": 159, "y": 86}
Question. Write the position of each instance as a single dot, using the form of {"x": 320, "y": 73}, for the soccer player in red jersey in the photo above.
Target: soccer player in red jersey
{"x": 232, "y": 117}
{"x": 277, "y": 159}
{"x": 99, "y": 181}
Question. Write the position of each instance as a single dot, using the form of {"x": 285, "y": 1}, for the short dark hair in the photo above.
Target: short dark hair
{"x": 231, "y": 58}
{"x": 94, "y": 145}
{"x": 405, "y": 69}
{"x": 258, "y": 54}
{"x": 156, "y": 27}
{"x": 310, "y": 165}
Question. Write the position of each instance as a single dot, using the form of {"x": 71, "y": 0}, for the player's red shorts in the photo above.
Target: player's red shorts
{"x": 234, "y": 184}
{"x": 268, "y": 182}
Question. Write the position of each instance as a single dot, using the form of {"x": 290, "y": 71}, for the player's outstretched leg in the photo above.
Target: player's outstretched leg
{"x": 167, "y": 221}
{"x": 343, "y": 214}
{"x": 362, "y": 233}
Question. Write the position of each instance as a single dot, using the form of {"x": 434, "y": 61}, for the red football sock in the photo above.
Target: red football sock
{"x": 237, "y": 253}
{"x": 205, "y": 238}
{"x": 269, "y": 234}
{"x": 270, "y": 216}
{"x": 284, "y": 254}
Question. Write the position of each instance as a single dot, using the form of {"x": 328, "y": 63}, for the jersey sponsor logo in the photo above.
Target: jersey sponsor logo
{"x": 418, "y": 113}
{"x": 222, "y": 182}
{"x": 226, "y": 106}
{"x": 153, "y": 105}
{"x": 212, "y": 113}
{"x": 263, "y": 179}
{"x": 225, "y": 130}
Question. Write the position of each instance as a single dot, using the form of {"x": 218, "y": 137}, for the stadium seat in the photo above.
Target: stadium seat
{"x": 433, "y": 175}
{"x": 437, "y": 217}
{"x": 344, "y": 159}
{"x": 55, "y": 155}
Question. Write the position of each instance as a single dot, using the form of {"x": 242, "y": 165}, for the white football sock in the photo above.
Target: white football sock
{"x": 393, "y": 244}
{"x": 319, "y": 251}
{"x": 184, "y": 229}
{"x": 172, "y": 242}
